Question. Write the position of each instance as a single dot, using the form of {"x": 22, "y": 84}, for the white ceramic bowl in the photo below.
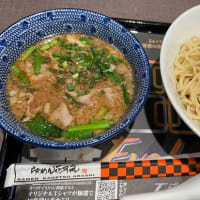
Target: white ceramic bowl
{"x": 180, "y": 31}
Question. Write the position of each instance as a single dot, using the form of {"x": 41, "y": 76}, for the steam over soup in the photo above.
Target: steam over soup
{"x": 70, "y": 86}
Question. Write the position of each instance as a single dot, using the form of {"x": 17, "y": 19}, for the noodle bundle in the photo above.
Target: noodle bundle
{"x": 187, "y": 77}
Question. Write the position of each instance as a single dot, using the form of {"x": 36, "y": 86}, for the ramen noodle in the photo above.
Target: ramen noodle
{"x": 70, "y": 86}
{"x": 187, "y": 76}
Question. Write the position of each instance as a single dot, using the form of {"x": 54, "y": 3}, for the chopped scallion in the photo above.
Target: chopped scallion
{"x": 73, "y": 70}
{"x": 125, "y": 94}
{"x": 37, "y": 62}
{"x": 77, "y": 134}
{"x": 85, "y": 40}
{"x": 91, "y": 126}
{"x": 114, "y": 77}
{"x": 102, "y": 112}
{"x": 20, "y": 74}
{"x": 70, "y": 87}
{"x": 61, "y": 80}
{"x": 45, "y": 59}
{"x": 49, "y": 45}
{"x": 28, "y": 52}
{"x": 75, "y": 76}
{"x": 65, "y": 64}
{"x": 97, "y": 75}
{"x": 102, "y": 92}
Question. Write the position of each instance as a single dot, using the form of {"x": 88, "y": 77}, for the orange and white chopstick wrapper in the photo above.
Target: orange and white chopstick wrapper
{"x": 150, "y": 168}
{"x": 19, "y": 174}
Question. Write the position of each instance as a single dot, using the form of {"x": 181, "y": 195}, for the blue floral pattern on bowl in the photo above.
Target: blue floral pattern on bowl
{"x": 27, "y": 31}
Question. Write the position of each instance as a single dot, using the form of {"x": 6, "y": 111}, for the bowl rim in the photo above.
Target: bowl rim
{"x": 174, "y": 103}
{"x": 68, "y": 144}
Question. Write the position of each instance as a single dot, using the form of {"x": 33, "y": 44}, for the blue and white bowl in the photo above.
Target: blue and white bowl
{"x": 29, "y": 30}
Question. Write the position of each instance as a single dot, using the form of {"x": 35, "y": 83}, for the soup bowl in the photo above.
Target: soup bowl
{"x": 27, "y": 31}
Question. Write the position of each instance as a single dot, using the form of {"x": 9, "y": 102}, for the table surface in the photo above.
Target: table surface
{"x": 155, "y": 10}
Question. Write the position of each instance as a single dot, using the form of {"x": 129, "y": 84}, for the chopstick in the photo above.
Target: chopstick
{"x": 20, "y": 174}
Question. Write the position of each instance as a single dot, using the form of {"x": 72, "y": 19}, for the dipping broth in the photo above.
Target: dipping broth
{"x": 70, "y": 87}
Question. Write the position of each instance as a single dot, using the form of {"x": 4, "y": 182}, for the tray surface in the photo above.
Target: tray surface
{"x": 157, "y": 132}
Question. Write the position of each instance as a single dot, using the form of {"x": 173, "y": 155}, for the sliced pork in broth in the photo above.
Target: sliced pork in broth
{"x": 70, "y": 87}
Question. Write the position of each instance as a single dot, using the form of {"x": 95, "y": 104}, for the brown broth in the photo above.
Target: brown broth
{"x": 44, "y": 97}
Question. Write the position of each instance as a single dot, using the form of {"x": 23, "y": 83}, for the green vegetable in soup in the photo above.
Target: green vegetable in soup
{"x": 45, "y": 59}
{"x": 65, "y": 64}
{"x": 125, "y": 94}
{"x": 73, "y": 71}
{"x": 94, "y": 125}
{"x": 20, "y": 74}
{"x": 102, "y": 112}
{"x": 101, "y": 122}
{"x": 75, "y": 76}
{"x": 40, "y": 125}
{"x": 114, "y": 77}
{"x": 77, "y": 134}
{"x": 102, "y": 92}
{"x": 73, "y": 101}
{"x": 70, "y": 87}
{"x": 28, "y": 52}
{"x": 37, "y": 62}
{"x": 116, "y": 60}
{"x": 85, "y": 40}
{"x": 49, "y": 45}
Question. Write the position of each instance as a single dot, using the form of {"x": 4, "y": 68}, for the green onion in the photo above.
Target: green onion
{"x": 85, "y": 68}
{"x": 125, "y": 94}
{"x": 90, "y": 82}
{"x": 102, "y": 112}
{"x": 37, "y": 62}
{"x": 61, "y": 42}
{"x": 45, "y": 59}
{"x": 94, "y": 51}
{"x": 42, "y": 126}
{"x": 73, "y": 70}
{"x": 77, "y": 134}
{"x": 53, "y": 71}
{"x": 81, "y": 94}
{"x": 60, "y": 80}
{"x": 77, "y": 87}
{"x": 102, "y": 92}
{"x": 116, "y": 60}
{"x": 17, "y": 71}
{"x": 49, "y": 45}
{"x": 57, "y": 54}
{"x": 88, "y": 127}
{"x": 70, "y": 87}
{"x": 73, "y": 101}
{"x": 122, "y": 77}
{"x": 97, "y": 76}
{"x": 101, "y": 124}
{"x": 75, "y": 76}
{"x": 55, "y": 59}
{"x": 60, "y": 72}
{"x": 113, "y": 77}
{"x": 80, "y": 68}
{"x": 60, "y": 65}
{"x": 28, "y": 52}
{"x": 104, "y": 53}
{"x": 65, "y": 64}
{"x": 56, "y": 85}
{"x": 85, "y": 40}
